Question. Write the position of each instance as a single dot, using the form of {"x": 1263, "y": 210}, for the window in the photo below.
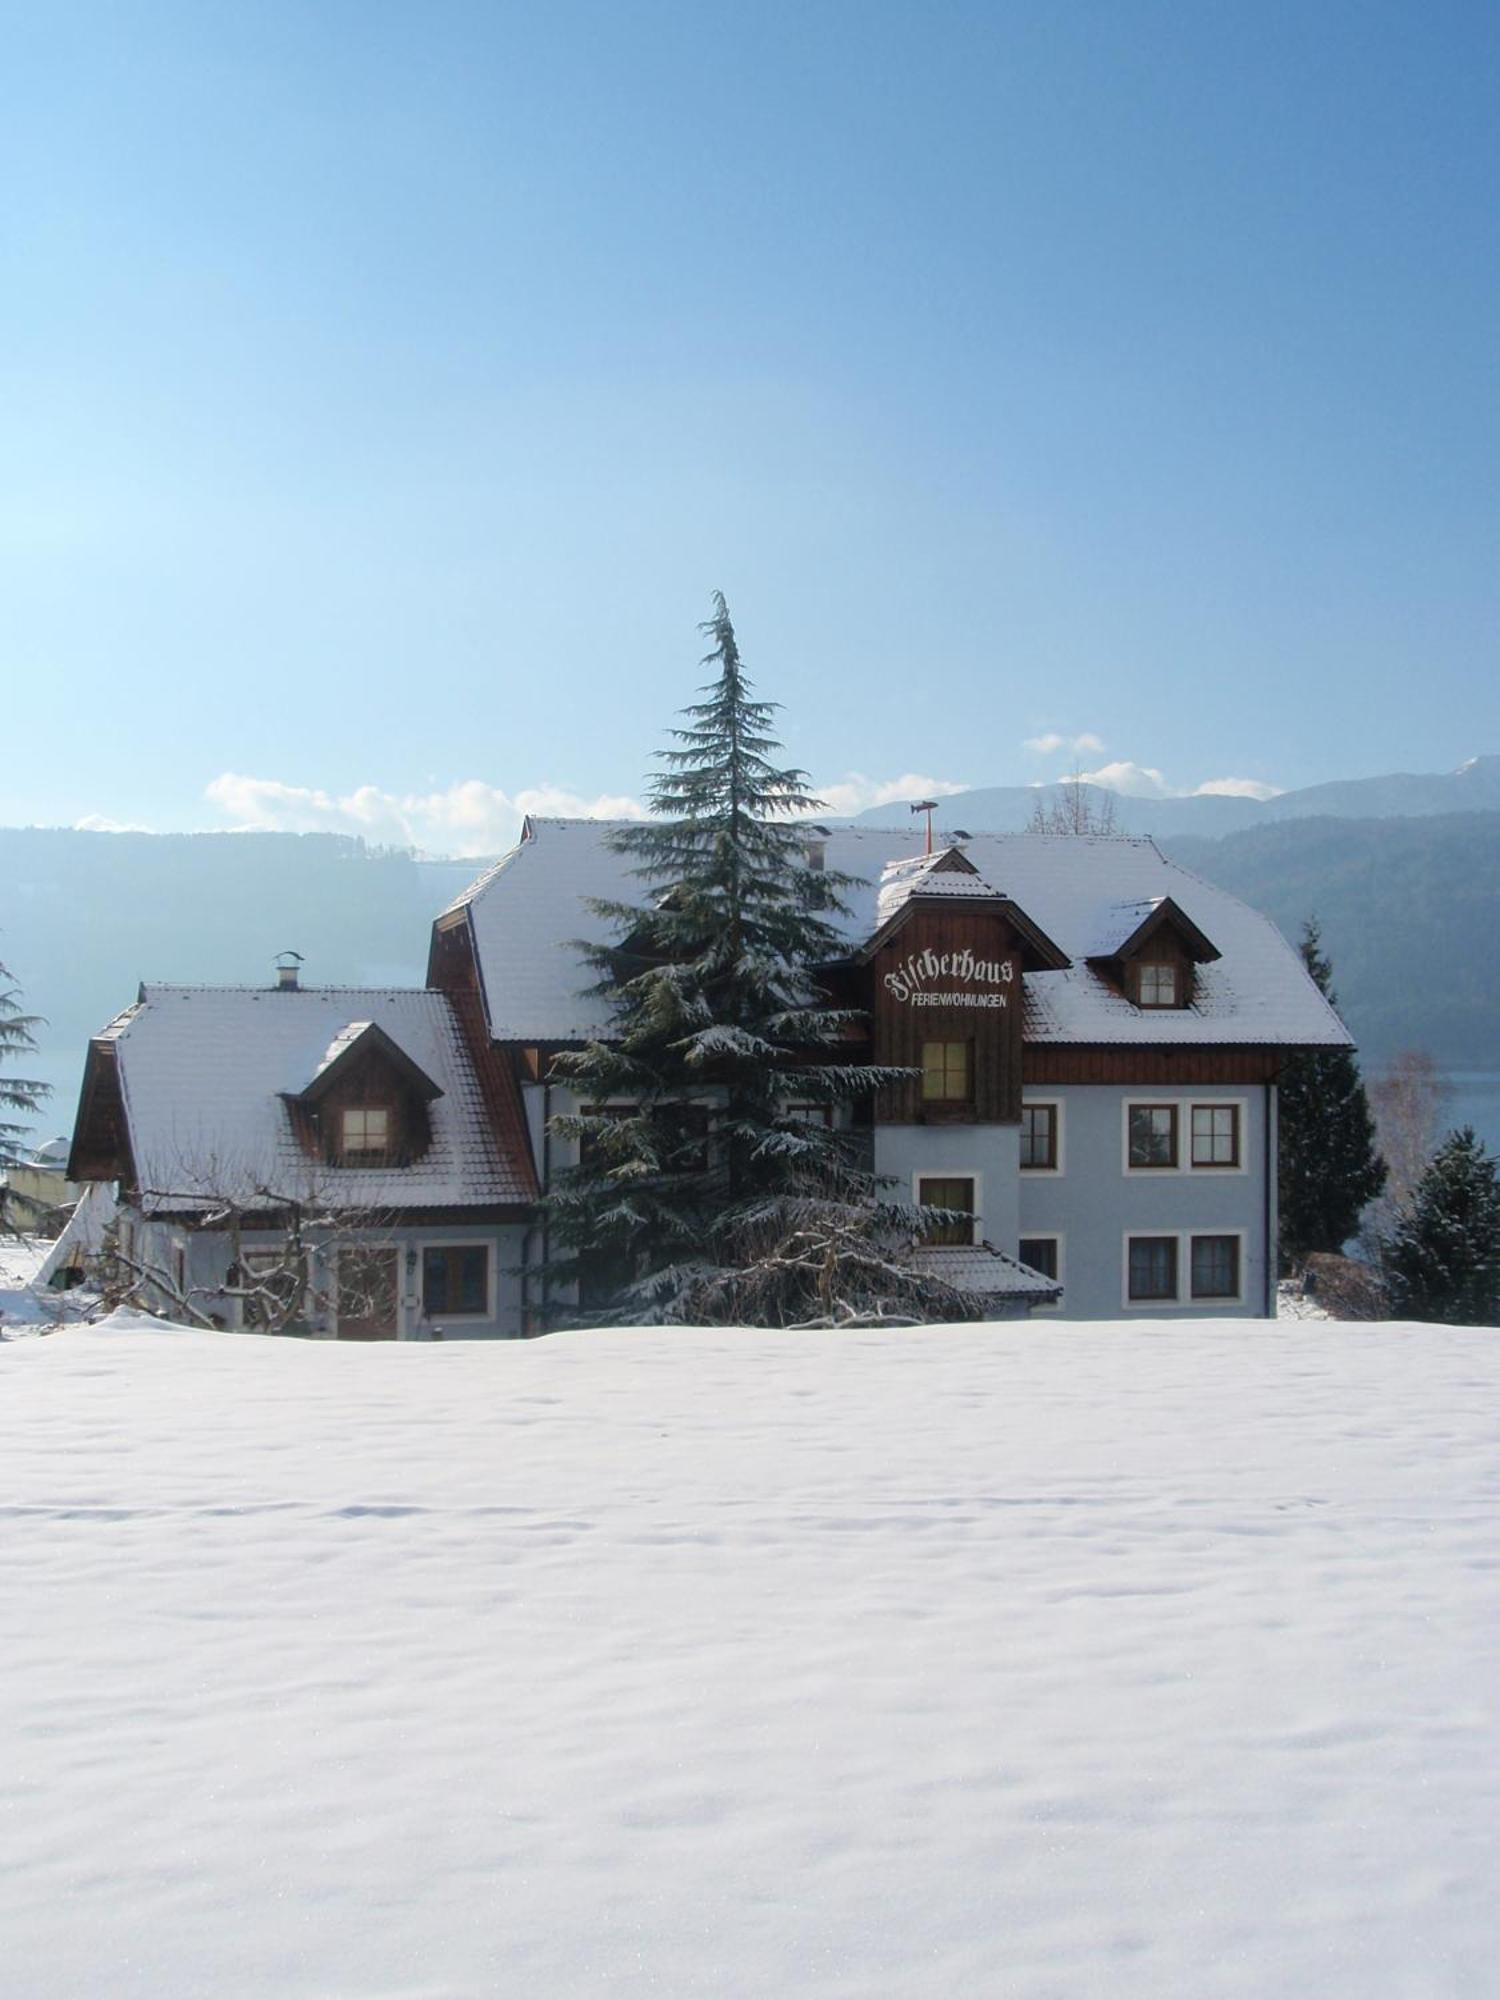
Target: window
{"x": 809, "y": 1114}
{"x": 366, "y": 1132}
{"x": 1152, "y": 1135}
{"x": 1156, "y": 986}
{"x": 948, "y": 1191}
{"x": 456, "y": 1279}
{"x": 947, "y": 1073}
{"x": 1216, "y": 1267}
{"x": 1152, "y": 1267}
{"x": 1039, "y": 1123}
{"x": 1040, "y": 1252}
{"x": 1216, "y": 1135}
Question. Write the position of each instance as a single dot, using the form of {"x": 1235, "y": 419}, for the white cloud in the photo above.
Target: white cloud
{"x": 1047, "y": 745}
{"x": 1132, "y": 781}
{"x": 855, "y": 793}
{"x": 1237, "y": 788}
{"x": 98, "y": 823}
{"x": 465, "y": 819}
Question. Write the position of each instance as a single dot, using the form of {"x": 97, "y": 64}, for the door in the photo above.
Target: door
{"x": 367, "y": 1293}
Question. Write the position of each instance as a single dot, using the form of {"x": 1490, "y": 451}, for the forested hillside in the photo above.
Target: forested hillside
{"x": 1410, "y": 910}
{"x": 84, "y": 917}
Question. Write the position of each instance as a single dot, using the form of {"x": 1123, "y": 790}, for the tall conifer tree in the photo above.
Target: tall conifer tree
{"x": 1327, "y": 1166}
{"x": 1442, "y": 1261}
{"x": 710, "y": 1185}
{"x": 17, "y": 1093}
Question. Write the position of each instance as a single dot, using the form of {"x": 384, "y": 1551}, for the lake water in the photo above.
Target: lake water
{"x": 1473, "y": 1099}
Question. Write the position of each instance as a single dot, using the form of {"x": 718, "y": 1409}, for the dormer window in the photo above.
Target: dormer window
{"x": 1159, "y": 985}
{"x": 365, "y": 1135}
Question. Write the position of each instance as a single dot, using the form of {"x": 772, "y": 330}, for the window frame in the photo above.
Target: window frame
{"x": 1184, "y": 1104}
{"x": 1140, "y": 967}
{"x": 1154, "y": 1168}
{"x": 976, "y": 1182}
{"x": 450, "y": 1244}
{"x": 1184, "y": 1299}
{"x": 1055, "y": 1106}
{"x": 1235, "y": 1108}
{"x": 947, "y": 1102}
{"x": 1058, "y": 1239}
{"x": 1230, "y": 1298}
{"x": 364, "y": 1156}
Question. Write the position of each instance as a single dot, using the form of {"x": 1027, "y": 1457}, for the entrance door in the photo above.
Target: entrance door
{"x": 367, "y": 1294}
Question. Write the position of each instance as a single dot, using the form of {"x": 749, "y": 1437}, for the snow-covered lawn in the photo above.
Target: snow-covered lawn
{"x": 1068, "y": 1661}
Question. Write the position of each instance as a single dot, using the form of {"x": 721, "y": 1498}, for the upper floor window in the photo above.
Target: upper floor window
{"x": 365, "y": 1133}
{"x": 1152, "y": 1135}
{"x": 947, "y": 1072}
{"x": 1216, "y": 1135}
{"x": 953, "y": 1192}
{"x": 1039, "y": 1149}
{"x": 1158, "y": 985}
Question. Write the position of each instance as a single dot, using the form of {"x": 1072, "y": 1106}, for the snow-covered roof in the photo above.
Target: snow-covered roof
{"x": 527, "y": 911}
{"x": 927, "y": 875}
{"x": 985, "y": 1271}
{"x": 204, "y": 1072}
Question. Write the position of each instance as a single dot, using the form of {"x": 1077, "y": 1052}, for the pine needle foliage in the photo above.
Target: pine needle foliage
{"x": 706, "y": 1133}
{"x": 17, "y": 1093}
{"x": 1442, "y": 1261}
{"x": 1328, "y": 1167}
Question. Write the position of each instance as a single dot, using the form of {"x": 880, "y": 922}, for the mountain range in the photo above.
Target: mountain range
{"x": 1473, "y": 787}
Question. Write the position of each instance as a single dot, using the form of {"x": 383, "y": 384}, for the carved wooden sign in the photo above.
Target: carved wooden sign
{"x": 950, "y": 979}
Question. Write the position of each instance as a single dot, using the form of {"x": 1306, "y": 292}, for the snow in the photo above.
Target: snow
{"x": 26, "y": 1307}
{"x": 528, "y": 911}
{"x": 1124, "y": 1662}
{"x": 204, "y": 1070}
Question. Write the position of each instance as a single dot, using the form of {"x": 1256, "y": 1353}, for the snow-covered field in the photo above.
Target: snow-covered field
{"x": 1017, "y": 1661}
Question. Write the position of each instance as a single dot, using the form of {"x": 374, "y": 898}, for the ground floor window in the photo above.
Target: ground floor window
{"x": 1178, "y": 1268}
{"x": 1216, "y": 1267}
{"x": 949, "y": 1191}
{"x": 1152, "y": 1267}
{"x": 456, "y": 1279}
{"x": 1040, "y": 1252}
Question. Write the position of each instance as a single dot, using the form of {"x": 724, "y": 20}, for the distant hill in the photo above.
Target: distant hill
{"x": 1410, "y": 911}
{"x": 1474, "y": 787}
{"x": 84, "y": 917}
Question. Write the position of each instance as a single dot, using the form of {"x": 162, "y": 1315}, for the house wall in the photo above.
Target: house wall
{"x": 207, "y": 1255}
{"x": 1094, "y": 1204}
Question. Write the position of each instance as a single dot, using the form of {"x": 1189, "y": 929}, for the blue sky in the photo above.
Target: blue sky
{"x": 386, "y": 388}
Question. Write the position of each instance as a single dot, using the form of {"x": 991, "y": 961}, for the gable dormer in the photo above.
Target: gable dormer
{"x": 1149, "y": 952}
{"x": 366, "y": 1104}
{"x": 944, "y": 968}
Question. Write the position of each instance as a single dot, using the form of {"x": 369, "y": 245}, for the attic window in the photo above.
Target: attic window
{"x": 365, "y": 1134}
{"x": 1158, "y": 985}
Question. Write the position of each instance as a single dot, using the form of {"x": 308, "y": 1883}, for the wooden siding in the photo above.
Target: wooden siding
{"x": 901, "y": 1027}
{"x": 1161, "y": 1068}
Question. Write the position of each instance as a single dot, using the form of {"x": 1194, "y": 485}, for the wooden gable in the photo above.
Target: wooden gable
{"x": 949, "y": 972}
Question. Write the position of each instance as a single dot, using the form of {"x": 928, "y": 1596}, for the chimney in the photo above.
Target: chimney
{"x": 287, "y": 963}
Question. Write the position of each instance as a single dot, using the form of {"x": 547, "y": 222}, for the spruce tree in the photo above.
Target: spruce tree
{"x": 17, "y": 1093}
{"x": 1442, "y": 1261}
{"x": 1327, "y": 1165}
{"x": 712, "y": 1184}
